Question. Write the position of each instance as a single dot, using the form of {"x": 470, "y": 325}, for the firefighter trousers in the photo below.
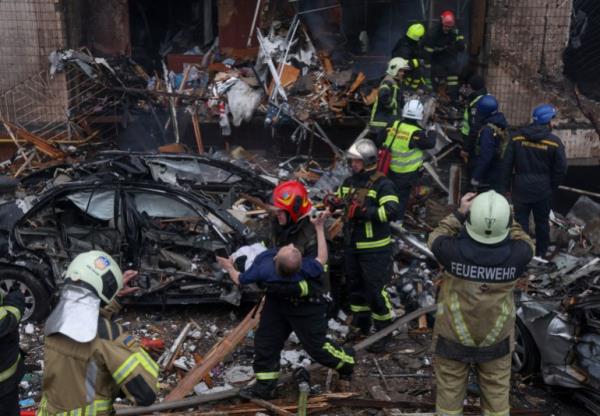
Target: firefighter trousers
{"x": 9, "y": 402}
{"x": 367, "y": 272}
{"x": 309, "y": 321}
{"x": 494, "y": 383}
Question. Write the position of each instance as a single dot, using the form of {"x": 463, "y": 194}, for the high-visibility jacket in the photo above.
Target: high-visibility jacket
{"x": 85, "y": 378}
{"x": 382, "y": 112}
{"x": 468, "y": 116}
{"x": 11, "y": 363}
{"x": 376, "y": 195}
{"x": 404, "y": 159}
{"x": 476, "y": 309}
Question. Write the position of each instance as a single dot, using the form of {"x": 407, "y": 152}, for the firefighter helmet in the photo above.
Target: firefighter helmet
{"x": 543, "y": 113}
{"x": 415, "y": 31}
{"x": 489, "y": 219}
{"x": 487, "y": 105}
{"x": 99, "y": 271}
{"x": 413, "y": 110}
{"x": 292, "y": 197}
{"x": 448, "y": 19}
{"x": 395, "y": 65}
{"x": 365, "y": 150}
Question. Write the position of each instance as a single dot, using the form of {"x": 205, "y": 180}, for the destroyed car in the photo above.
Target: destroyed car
{"x": 221, "y": 180}
{"x": 170, "y": 235}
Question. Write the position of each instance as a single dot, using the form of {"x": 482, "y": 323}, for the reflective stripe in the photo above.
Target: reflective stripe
{"x": 388, "y": 198}
{"x": 489, "y": 413}
{"x": 325, "y": 268}
{"x": 500, "y": 322}
{"x": 369, "y": 229}
{"x": 460, "y": 37}
{"x": 443, "y": 412}
{"x": 466, "y": 125}
{"x": 382, "y": 214}
{"x": 303, "y": 288}
{"x": 385, "y": 317}
{"x": 339, "y": 354}
{"x": 548, "y": 142}
{"x": 343, "y": 191}
{"x": 274, "y": 375}
{"x": 372, "y": 193}
{"x": 388, "y": 305}
{"x": 90, "y": 410}
{"x": 130, "y": 364}
{"x": 10, "y": 371}
{"x": 404, "y": 159}
{"x": 148, "y": 363}
{"x": 359, "y": 308}
{"x": 11, "y": 309}
{"x": 373, "y": 244}
{"x": 459, "y": 322}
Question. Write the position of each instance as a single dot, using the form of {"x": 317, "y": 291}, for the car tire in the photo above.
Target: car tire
{"x": 526, "y": 356}
{"x": 37, "y": 298}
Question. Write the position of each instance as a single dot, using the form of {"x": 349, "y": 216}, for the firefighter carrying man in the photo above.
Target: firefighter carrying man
{"x": 12, "y": 368}
{"x": 370, "y": 202}
{"x": 410, "y": 48}
{"x": 88, "y": 359}
{"x": 483, "y": 252}
{"x": 407, "y": 140}
{"x": 293, "y": 301}
{"x": 390, "y": 97}
{"x": 444, "y": 44}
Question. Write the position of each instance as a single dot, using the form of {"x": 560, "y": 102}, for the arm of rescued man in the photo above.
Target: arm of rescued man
{"x": 11, "y": 312}
{"x": 132, "y": 369}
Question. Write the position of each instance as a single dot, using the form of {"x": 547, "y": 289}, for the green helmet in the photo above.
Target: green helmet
{"x": 415, "y": 31}
{"x": 98, "y": 270}
{"x": 488, "y": 221}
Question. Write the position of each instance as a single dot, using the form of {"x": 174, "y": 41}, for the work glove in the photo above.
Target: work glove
{"x": 333, "y": 202}
{"x": 15, "y": 298}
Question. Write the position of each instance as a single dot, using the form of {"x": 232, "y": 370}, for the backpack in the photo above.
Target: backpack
{"x": 502, "y": 135}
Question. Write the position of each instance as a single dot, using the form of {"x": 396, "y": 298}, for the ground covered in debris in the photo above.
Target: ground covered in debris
{"x": 404, "y": 374}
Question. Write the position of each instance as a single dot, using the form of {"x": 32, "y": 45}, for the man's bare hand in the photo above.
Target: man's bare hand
{"x": 226, "y": 263}
{"x": 320, "y": 218}
{"x": 466, "y": 201}
{"x": 128, "y": 276}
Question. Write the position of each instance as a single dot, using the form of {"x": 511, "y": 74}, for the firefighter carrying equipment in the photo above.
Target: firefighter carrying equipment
{"x": 292, "y": 197}
{"x": 489, "y": 219}
{"x": 404, "y": 159}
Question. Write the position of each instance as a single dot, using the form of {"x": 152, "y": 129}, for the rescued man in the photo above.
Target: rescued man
{"x": 483, "y": 252}
{"x": 281, "y": 315}
{"x": 88, "y": 359}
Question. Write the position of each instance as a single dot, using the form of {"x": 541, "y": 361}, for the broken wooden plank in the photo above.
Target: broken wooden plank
{"x": 217, "y": 354}
{"x": 41, "y": 144}
{"x": 197, "y": 132}
{"x": 270, "y": 406}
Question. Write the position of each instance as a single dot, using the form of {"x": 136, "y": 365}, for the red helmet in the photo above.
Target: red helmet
{"x": 448, "y": 19}
{"x": 292, "y": 197}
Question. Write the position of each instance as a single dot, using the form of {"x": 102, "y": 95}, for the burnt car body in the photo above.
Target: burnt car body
{"x": 169, "y": 230}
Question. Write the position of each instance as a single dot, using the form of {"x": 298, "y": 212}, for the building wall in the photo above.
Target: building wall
{"x": 29, "y": 31}
{"x": 525, "y": 40}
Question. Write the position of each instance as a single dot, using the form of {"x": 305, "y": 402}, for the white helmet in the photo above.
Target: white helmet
{"x": 395, "y": 65}
{"x": 488, "y": 221}
{"x": 99, "y": 271}
{"x": 365, "y": 150}
{"x": 413, "y": 110}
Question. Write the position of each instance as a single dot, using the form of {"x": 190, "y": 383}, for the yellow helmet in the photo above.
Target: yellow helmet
{"x": 415, "y": 31}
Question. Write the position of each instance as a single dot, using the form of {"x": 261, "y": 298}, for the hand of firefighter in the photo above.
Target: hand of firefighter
{"x": 466, "y": 201}
{"x": 128, "y": 276}
{"x": 15, "y": 298}
{"x": 333, "y": 202}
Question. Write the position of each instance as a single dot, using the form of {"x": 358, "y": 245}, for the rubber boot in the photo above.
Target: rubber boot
{"x": 262, "y": 389}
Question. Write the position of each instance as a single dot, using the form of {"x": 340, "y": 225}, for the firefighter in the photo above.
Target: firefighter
{"x": 473, "y": 91}
{"x": 410, "y": 48}
{"x": 444, "y": 44}
{"x": 286, "y": 309}
{"x": 390, "y": 97}
{"x": 406, "y": 139}
{"x": 370, "y": 203}
{"x": 12, "y": 367}
{"x": 483, "y": 253}
{"x": 490, "y": 145}
{"x": 89, "y": 360}
{"x": 538, "y": 160}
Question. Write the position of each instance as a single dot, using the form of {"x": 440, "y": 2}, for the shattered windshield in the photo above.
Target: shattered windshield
{"x": 100, "y": 205}
{"x": 157, "y": 207}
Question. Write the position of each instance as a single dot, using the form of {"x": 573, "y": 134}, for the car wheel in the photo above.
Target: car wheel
{"x": 37, "y": 299}
{"x": 526, "y": 356}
